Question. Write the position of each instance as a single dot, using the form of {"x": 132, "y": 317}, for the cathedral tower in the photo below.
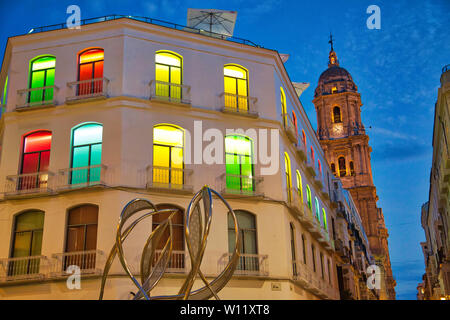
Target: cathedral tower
{"x": 346, "y": 146}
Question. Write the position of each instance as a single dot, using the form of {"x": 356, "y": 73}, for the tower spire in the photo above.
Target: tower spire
{"x": 332, "y": 58}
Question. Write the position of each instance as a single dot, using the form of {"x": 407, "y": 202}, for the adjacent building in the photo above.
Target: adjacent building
{"x": 96, "y": 117}
{"x": 435, "y": 212}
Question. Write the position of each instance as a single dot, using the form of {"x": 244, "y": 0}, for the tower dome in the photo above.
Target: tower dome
{"x": 335, "y": 79}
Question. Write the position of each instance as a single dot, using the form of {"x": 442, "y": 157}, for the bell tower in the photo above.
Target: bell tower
{"x": 346, "y": 146}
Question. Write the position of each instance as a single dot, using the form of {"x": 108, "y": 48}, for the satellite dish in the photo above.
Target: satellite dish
{"x": 300, "y": 87}
{"x": 212, "y": 21}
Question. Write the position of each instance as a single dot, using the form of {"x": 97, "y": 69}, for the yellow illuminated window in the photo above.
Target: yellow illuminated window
{"x": 168, "y": 68}
{"x": 287, "y": 165}
{"x": 168, "y": 143}
{"x": 283, "y": 107}
{"x": 236, "y": 87}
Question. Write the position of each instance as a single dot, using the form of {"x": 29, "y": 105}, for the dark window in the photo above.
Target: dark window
{"x": 342, "y": 167}
{"x": 337, "y": 115}
{"x": 249, "y": 251}
{"x": 352, "y": 168}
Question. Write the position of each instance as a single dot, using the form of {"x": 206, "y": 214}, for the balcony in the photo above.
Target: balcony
{"x": 24, "y": 268}
{"x": 28, "y": 184}
{"x": 167, "y": 178}
{"x": 91, "y": 89}
{"x": 35, "y": 98}
{"x": 295, "y": 202}
{"x": 170, "y": 92}
{"x": 82, "y": 177}
{"x": 237, "y": 104}
{"x": 301, "y": 274}
{"x": 239, "y": 185}
{"x": 177, "y": 262}
{"x": 290, "y": 128}
{"x": 301, "y": 151}
{"x": 89, "y": 262}
{"x": 249, "y": 264}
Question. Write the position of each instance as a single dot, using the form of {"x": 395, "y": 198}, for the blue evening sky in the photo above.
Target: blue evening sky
{"x": 396, "y": 69}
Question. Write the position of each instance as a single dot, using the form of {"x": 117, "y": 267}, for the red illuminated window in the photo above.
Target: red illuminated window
{"x": 90, "y": 72}
{"x": 35, "y": 159}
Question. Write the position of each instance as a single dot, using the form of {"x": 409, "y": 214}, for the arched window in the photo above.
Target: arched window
{"x": 169, "y": 74}
{"x": 27, "y": 242}
{"x": 90, "y": 72}
{"x": 342, "y": 167}
{"x": 304, "y": 249}
{"x": 35, "y": 159}
{"x": 239, "y": 163}
{"x": 42, "y": 75}
{"x": 317, "y": 207}
{"x": 287, "y": 166}
{"x": 177, "y": 259}
{"x": 236, "y": 87}
{"x": 352, "y": 168}
{"x": 319, "y": 167}
{"x": 304, "y": 139}
{"x": 313, "y": 256}
{"x": 337, "y": 115}
{"x": 308, "y": 197}
{"x": 324, "y": 219}
{"x": 248, "y": 259}
{"x": 333, "y": 168}
{"x": 299, "y": 186}
{"x": 294, "y": 120}
{"x": 283, "y": 108}
{"x": 81, "y": 236}
{"x": 293, "y": 250}
{"x": 168, "y": 162}
{"x": 86, "y": 153}
{"x": 322, "y": 266}
{"x": 312, "y": 156}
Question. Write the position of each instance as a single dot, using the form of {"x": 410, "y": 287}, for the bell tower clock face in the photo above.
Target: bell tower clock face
{"x": 337, "y": 130}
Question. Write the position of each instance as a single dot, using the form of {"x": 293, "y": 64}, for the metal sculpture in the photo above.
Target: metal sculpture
{"x": 197, "y": 227}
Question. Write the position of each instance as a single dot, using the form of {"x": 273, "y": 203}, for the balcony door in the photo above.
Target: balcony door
{"x": 239, "y": 163}
{"x": 248, "y": 260}
{"x": 42, "y": 74}
{"x": 168, "y": 163}
{"x": 86, "y": 153}
{"x": 81, "y": 237}
{"x": 27, "y": 242}
{"x": 236, "y": 88}
{"x": 90, "y": 72}
{"x": 168, "y": 75}
{"x": 35, "y": 159}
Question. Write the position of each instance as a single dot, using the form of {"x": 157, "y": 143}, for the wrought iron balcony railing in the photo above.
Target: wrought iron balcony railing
{"x": 24, "y": 268}
{"x": 29, "y": 183}
{"x": 36, "y": 97}
{"x": 177, "y": 263}
{"x": 89, "y": 262}
{"x": 234, "y": 103}
{"x": 87, "y": 89}
{"x": 249, "y": 264}
{"x": 168, "y": 91}
{"x": 233, "y": 184}
{"x": 73, "y": 178}
{"x": 169, "y": 178}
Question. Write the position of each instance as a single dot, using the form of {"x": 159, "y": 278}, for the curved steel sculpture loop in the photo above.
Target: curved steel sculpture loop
{"x": 196, "y": 229}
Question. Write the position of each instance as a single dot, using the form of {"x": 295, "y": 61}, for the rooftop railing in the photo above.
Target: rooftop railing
{"x": 157, "y": 22}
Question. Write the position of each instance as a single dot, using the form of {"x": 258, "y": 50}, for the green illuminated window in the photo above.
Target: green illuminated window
{"x": 317, "y": 208}
{"x": 308, "y": 197}
{"x": 324, "y": 219}
{"x": 86, "y": 152}
{"x": 287, "y": 168}
{"x": 239, "y": 163}
{"x": 168, "y": 164}
{"x": 5, "y": 97}
{"x": 168, "y": 75}
{"x": 236, "y": 87}
{"x": 42, "y": 75}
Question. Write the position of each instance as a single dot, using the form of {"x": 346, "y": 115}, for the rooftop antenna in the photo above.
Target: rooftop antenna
{"x": 212, "y": 20}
